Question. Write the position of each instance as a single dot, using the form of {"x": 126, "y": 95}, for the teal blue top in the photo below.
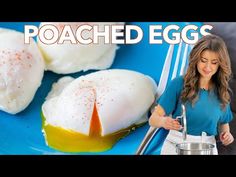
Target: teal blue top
{"x": 206, "y": 113}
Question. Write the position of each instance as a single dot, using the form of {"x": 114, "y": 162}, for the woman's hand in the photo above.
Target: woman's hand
{"x": 171, "y": 124}
{"x": 158, "y": 119}
{"x": 226, "y": 138}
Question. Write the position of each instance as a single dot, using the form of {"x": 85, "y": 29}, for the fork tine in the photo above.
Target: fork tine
{"x": 182, "y": 70}
{"x": 177, "y": 60}
{"x": 190, "y": 47}
{"x": 165, "y": 71}
{"x": 160, "y": 89}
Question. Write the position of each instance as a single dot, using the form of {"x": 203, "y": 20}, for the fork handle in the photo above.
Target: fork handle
{"x": 146, "y": 140}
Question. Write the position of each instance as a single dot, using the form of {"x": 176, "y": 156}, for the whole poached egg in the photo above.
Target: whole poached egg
{"x": 69, "y": 58}
{"x": 91, "y": 113}
{"x": 21, "y": 71}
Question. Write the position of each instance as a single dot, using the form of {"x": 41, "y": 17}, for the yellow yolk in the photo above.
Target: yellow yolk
{"x": 71, "y": 141}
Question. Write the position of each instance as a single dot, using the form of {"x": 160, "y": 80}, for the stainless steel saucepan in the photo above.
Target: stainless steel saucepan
{"x": 195, "y": 148}
{"x": 191, "y": 148}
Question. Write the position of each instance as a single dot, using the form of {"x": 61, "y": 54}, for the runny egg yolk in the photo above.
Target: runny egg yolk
{"x": 71, "y": 141}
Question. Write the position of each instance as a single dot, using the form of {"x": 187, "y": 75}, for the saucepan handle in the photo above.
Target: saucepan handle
{"x": 203, "y": 137}
{"x": 180, "y": 120}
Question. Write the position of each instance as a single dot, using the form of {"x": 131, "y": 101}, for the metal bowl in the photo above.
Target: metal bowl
{"x": 194, "y": 148}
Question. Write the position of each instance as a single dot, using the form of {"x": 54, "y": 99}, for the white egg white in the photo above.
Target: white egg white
{"x": 21, "y": 71}
{"x": 70, "y": 58}
{"x": 122, "y": 98}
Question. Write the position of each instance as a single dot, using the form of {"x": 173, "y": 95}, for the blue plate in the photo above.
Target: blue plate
{"x": 21, "y": 133}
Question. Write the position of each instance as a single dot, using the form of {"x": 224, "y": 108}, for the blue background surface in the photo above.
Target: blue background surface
{"x": 21, "y": 133}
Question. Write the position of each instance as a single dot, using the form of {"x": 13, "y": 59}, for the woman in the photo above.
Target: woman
{"x": 204, "y": 91}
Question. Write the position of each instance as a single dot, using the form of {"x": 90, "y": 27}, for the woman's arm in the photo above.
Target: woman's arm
{"x": 225, "y": 136}
{"x": 158, "y": 119}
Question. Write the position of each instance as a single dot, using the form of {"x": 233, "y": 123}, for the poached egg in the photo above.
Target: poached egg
{"x": 21, "y": 71}
{"x": 91, "y": 113}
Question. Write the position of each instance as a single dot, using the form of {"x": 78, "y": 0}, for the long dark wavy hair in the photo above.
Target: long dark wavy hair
{"x": 220, "y": 79}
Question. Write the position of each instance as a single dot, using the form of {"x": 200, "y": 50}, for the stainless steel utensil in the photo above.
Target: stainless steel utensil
{"x": 182, "y": 120}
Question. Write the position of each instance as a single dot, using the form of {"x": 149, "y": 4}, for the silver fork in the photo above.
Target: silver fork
{"x": 161, "y": 88}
